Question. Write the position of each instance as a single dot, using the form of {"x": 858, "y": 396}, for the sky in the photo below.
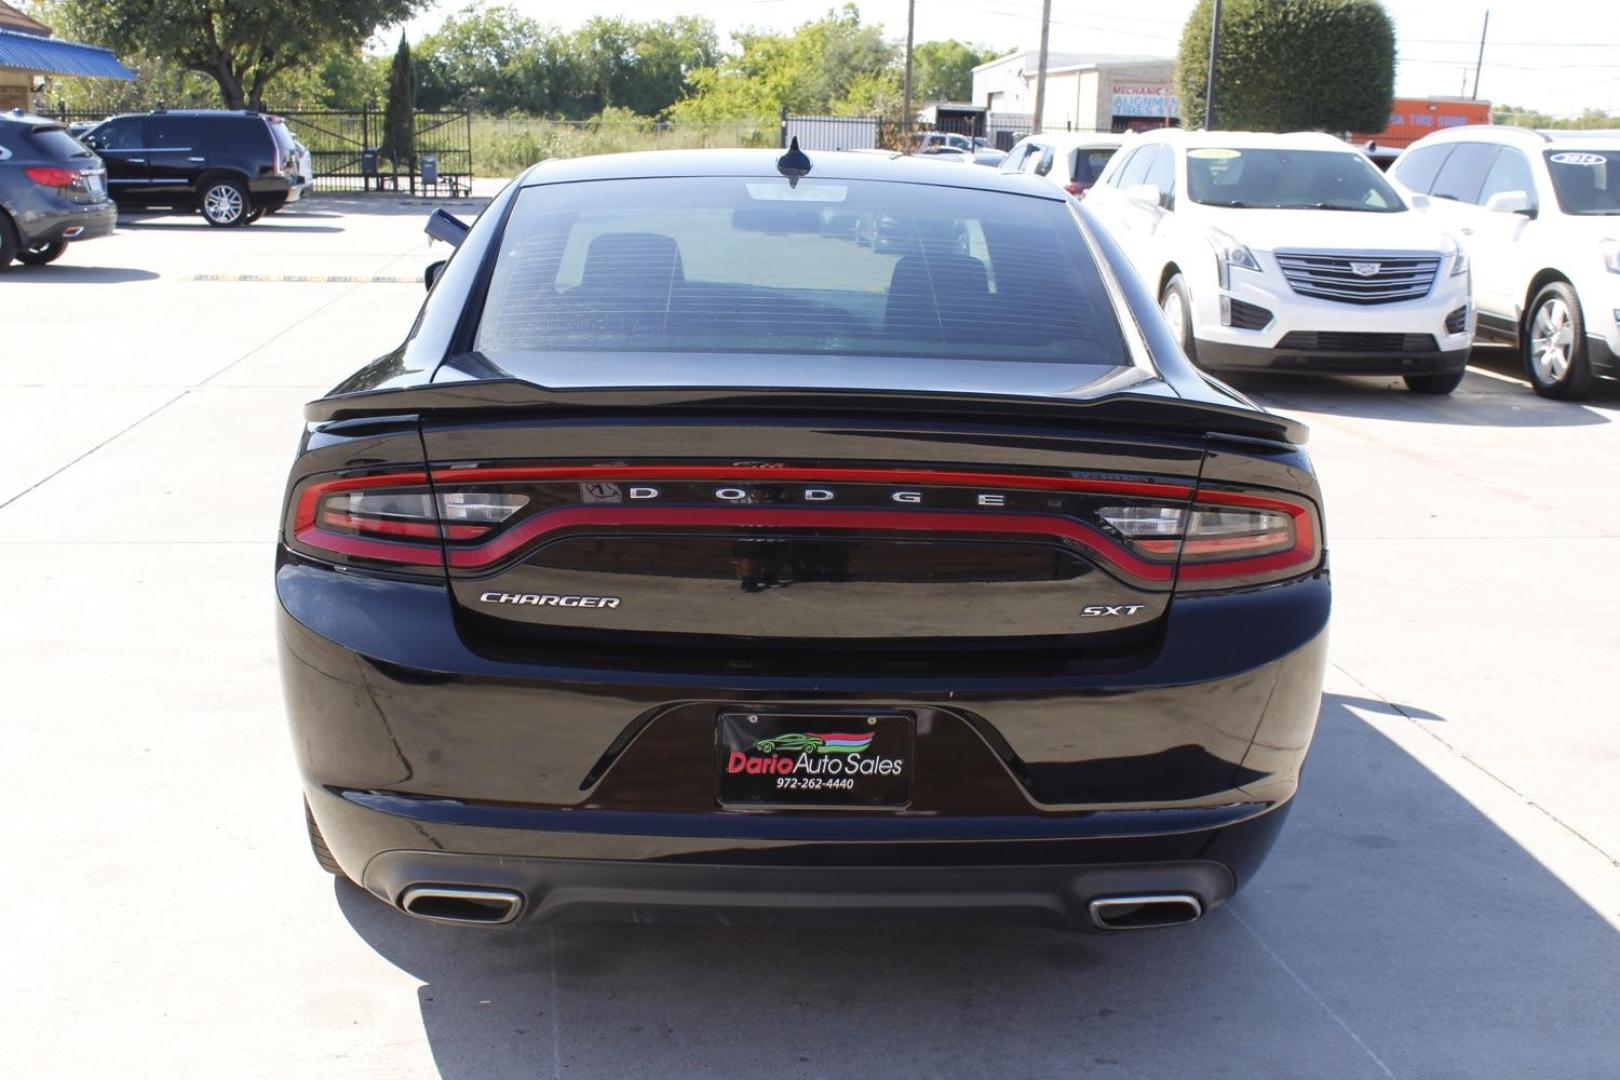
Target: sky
{"x": 1558, "y": 56}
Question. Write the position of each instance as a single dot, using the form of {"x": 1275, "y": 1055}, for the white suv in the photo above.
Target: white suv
{"x": 1540, "y": 216}
{"x": 1288, "y": 253}
{"x": 1072, "y": 160}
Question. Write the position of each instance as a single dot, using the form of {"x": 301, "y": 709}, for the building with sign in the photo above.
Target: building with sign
{"x": 1084, "y": 91}
{"x": 28, "y": 53}
{"x": 1412, "y": 118}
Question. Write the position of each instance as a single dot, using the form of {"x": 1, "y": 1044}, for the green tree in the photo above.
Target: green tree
{"x": 499, "y": 60}
{"x": 826, "y": 65}
{"x": 399, "y": 116}
{"x": 1291, "y": 65}
{"x": 241, "y": 44}
{"x": 943, "y": 70}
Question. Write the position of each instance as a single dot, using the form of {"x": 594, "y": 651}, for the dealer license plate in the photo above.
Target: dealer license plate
{"x": 814, "y": 759}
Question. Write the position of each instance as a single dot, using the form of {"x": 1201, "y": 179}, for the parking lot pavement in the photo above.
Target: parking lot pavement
{"x": 1443, "y": 903}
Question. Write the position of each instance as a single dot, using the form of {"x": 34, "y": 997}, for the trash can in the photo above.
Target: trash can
{"x": 430, "y": 168}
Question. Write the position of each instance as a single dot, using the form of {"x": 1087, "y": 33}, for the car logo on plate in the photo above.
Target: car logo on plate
{"x": 1364, "y": 269}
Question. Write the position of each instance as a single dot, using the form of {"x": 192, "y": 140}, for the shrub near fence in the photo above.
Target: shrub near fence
{"x": 505, "y": 146}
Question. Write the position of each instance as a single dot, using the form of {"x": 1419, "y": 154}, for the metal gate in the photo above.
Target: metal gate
{"x": 344, "y": 148}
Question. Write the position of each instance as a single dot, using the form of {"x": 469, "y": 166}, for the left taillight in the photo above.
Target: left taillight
{"x": 394, "y": 519}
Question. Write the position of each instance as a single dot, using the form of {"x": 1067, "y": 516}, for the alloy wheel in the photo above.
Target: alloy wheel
{"x": 1552, "y": 339}
{"x": 223, "y": 204}
{"x": 1175, "y": 313}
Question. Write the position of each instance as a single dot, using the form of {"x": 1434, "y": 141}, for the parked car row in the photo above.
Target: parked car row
{"x": 59, "y": 185}
{"x": 1292, "y": 252}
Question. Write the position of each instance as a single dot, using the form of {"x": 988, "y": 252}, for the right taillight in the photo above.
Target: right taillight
{"x": 1224, "y": 539}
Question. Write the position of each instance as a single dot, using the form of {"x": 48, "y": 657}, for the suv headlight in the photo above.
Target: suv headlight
{"x": 1459, "y": 262}
{"x": 1611, "y": 255}
{"x": 1230, "y": 253}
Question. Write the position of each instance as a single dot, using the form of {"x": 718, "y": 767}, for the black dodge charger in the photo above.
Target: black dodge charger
{"x": 825, "y": 535}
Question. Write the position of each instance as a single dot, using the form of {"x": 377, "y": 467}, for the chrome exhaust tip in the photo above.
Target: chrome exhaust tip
{"x": 1145, "y": 912}
{"x": 461, "y": 904}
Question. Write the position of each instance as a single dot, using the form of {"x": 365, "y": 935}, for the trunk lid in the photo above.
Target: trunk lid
{"x": 765, "y": 532}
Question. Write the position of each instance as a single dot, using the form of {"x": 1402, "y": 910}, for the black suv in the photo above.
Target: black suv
{"x": 52, "y": 191}
{"x": 232, "y": 166}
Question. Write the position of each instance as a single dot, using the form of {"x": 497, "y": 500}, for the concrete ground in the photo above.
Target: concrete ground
{"x": 1443, "y": 904}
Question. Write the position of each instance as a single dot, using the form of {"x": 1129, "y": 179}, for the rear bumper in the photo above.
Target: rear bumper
{"x": 69, "y": 221}
{"x": 583, "y": 788}
{"x": 1219, "y": 356}
{"x": 563, "y": 890}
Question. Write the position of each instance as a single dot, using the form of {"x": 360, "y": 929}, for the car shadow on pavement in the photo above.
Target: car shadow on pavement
{"x": 81, "y": 275}
{"x": 1396, "y": 931}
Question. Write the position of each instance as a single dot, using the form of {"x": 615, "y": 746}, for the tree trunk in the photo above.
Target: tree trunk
{"x": 230, "y": 84}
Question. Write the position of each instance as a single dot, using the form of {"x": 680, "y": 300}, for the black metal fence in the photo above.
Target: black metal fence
{"x": 344, "y": 149}
{"x": 343, "y": 146}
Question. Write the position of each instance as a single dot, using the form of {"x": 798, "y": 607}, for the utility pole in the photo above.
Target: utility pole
{"x": 1481, "y": 62}
{"x": 911, "y": 27}
{"x": 1040, "y": 73}
{"x": 1214, "y": 51}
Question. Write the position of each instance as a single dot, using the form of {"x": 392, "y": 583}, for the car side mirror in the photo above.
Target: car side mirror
{"x": 443, "y": 225}
{"x": 1145, "y": 195}
{"x": 1509, "y": 202}
{"x": 431, "y": 274}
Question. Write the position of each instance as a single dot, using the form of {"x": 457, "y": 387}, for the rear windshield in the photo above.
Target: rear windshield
{"x": 54, "y": 143}
{"x": 1586, "y": 181}
{"x": 1266, "y": 179}
{"x": 283, "y": 137}
{"x": 1086, "y": 163}
{"x": 831, "y": 267}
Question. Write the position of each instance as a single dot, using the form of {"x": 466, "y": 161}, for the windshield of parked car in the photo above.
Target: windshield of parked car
{"x": 1272, "y": 179}
{"x": 832, "y": 268}
{"x": 1587, "y": 182}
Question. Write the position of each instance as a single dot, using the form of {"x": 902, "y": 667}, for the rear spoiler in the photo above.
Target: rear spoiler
{"x": 1123, "y": 410}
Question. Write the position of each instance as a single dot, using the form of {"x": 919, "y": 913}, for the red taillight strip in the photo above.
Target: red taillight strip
{"x": 607, "y": 514}
{"x": 793, "y": 474}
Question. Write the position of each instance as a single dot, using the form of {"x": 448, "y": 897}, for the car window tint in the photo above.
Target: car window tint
{"x": 57, "y": 145}
{"x": 1586, "y": 181}
{"x": 174, "y": 132}
{"x": 1032, "y": 160}
{"x": 1162, "y": 174}
{"x": 832, "y": 268}
{"x": 1087, "y": 163}
{"x": 238, "y": 135}
{"x": 1463, "y": 174}
{"x": 1511, "y": 172}
{"x": 121, "y": 133}
{"x": 1044, "y": 165}
{"x": 1136, "y": 169}
{"x": 1278, "y": 178}
{"x": 1419, "y": 167}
